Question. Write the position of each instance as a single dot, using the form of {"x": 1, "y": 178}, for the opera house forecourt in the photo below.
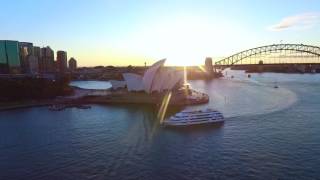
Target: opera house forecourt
{"x": 157, "y": 82}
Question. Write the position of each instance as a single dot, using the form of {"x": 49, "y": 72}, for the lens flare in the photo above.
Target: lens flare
{"x": 202, "y": 69}
{"x": 185, "y": 75}
{"x": 164, "y": 105}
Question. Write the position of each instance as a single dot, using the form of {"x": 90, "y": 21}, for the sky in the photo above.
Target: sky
{"x": 132, "y": 32}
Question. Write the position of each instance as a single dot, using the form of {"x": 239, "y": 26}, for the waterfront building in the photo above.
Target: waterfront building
{"x": 27, "y": 46}
{"x": 26, "y": 49}
{"x": 157, "y": 78}
{"x": 37, "y": 52}
{"x": 12, "y": 49}
{"x": 72, "y": 64}
{"x": 33, "y": 65}
{"x": 23, "y": 58}
{"x": 4, "y": 69}
{"x": 61, "y": 61}
{"x": 46, "y": 63}
{"x": 10, "y": 57}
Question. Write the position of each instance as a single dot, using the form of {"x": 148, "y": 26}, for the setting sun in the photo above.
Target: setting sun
{"x": 182, "y": 40}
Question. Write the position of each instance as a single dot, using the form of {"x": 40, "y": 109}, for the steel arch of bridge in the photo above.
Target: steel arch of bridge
{"x": 231, "y": 60}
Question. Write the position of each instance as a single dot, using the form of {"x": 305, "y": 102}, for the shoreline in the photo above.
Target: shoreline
{"x": 23, "y": 105}
{"x": 85, "y": 96}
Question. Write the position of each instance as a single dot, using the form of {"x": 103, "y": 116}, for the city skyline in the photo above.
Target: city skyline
{"x": 160, "y": 89}
{"x": 129, "y": 32}
{"x": 25, "y": 58}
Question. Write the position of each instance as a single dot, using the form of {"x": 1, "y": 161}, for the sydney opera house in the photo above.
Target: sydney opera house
{"x": 155, "y": 79}
{"x": 152, "y": 87}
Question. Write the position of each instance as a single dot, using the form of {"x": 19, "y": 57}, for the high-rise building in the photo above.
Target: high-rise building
{"x": 62, "y": 61}
{"x": 4, "y": 69}
{"x": 10, "y": 56}
{"x": 27, "y": 46}
{"x": 72, "y": 64}
{"x": 34, "y": 68}
{"x": 26, "y": 49}
{"x": 12, "y": 48}
{"x": 46, "y": 62}
{"x": 33, "y": 65}
{"x": 37, "y": 51}
{"x": 208, "y": 66}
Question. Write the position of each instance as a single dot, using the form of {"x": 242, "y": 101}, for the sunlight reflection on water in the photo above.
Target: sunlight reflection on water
{"x": 241, "y": 96}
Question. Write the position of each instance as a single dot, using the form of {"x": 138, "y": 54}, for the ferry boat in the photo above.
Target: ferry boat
{"x": 199, "y": 117}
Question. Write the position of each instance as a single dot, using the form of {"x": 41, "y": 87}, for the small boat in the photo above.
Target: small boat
{"x": 199, "y": 117}
{"x": 249, "y": 75}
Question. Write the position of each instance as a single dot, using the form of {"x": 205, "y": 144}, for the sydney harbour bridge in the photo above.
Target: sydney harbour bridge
{"x": 276, "y": 56}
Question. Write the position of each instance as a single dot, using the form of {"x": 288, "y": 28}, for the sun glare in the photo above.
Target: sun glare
{"x": 183, "y": 41}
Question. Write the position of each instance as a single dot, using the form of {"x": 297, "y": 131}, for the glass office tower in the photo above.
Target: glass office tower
{"x": 12, "y": 48}
{"x": 3, "y": 58}
{"x": 9, "y": 56}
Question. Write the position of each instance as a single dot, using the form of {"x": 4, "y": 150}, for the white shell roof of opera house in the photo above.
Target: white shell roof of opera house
{"x": 156, "y": 78}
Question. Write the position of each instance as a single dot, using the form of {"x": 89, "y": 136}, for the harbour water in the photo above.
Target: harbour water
{"x": 268, "y": 134}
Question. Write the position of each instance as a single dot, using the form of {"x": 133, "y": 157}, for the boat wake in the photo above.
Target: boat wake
{"x": 245, "y": 97}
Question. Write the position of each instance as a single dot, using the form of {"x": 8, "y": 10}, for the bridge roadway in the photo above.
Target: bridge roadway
{"x": 285, "y": 67}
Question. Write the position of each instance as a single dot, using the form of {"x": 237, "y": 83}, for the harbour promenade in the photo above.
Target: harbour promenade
{"x": 178, "y": 98}
{"x": 98, "y": 96}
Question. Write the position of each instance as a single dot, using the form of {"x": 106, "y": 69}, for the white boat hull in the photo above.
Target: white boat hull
{"x": 188, "y": 118}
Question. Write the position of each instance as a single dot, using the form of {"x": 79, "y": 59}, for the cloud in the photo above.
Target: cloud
{"x": 300, "y": 21}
